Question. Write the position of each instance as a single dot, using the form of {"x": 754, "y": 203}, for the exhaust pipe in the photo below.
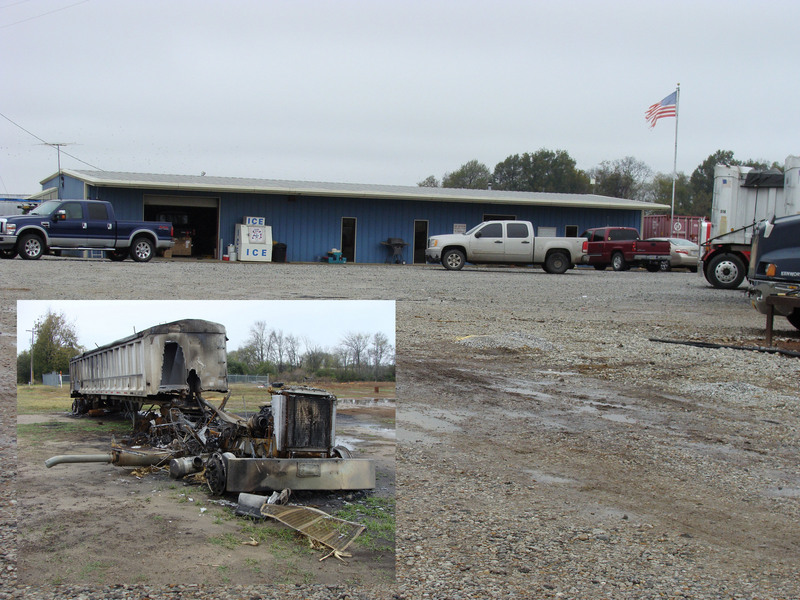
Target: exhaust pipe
{"x": 120, "y": 458}
{"x": 78, "y": 458}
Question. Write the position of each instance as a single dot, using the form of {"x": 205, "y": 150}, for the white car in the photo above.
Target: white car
{"x": 684, "y": 254}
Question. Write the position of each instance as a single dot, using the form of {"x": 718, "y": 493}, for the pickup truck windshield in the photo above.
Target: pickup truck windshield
{"x": 46, "y": 208}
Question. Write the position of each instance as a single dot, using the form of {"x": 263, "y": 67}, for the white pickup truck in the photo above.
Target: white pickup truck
{"x": 506, "y": 242}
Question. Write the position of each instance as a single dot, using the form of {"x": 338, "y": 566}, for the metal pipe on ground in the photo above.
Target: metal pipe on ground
{"x": 78, "y": 458}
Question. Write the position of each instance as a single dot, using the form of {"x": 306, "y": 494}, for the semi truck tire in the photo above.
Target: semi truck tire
{"x": 725, "y": 271}
{"x": 453, "y": 260}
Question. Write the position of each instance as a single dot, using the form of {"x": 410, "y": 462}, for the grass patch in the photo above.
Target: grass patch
{"x": 36, "y": 399}
{"x": 95, "y": 571}
{"x": 226, "y": 540}
{"x": 377, "y": 515}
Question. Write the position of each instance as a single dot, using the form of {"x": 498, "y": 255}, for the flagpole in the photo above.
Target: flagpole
{"x": 675, "y": 161}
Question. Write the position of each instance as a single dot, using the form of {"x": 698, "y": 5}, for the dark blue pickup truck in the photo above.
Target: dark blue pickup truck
{"x": 58, "y": 225}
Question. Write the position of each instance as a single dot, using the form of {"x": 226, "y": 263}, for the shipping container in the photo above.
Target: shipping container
{"x": 687, "y": 228}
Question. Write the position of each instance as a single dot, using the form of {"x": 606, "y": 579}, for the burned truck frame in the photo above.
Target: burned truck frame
{"x": 289, "y": 443}
{"x": 163, "y": 365}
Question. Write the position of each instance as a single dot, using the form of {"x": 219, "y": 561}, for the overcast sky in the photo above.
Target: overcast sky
{"x": 322, "y": 322}
{"x": 388, "y": 92}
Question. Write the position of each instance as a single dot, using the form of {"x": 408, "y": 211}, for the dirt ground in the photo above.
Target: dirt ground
{"x": 161, "y": 531}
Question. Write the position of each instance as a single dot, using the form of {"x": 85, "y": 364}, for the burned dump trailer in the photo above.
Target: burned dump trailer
{"x": 163, "y": 365}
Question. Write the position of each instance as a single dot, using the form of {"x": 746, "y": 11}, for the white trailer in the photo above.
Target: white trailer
{"x": 743, "y": 197}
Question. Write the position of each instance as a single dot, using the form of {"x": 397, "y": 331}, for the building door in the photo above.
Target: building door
{"x": 420, "y": 241}
{"x": 195, "y": 222}
{"x": 349, "y": 238}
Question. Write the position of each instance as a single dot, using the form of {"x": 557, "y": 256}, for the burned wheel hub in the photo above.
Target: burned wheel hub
{"x": 216, "y": 475}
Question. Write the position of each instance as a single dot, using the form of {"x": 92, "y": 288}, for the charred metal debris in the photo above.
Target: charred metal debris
{"x": 290, "y": 443}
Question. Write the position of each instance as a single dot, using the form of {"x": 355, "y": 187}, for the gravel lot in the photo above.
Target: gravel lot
{"x": 546, "y": 446}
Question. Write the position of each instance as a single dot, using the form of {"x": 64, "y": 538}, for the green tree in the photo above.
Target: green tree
{"x": 429, "y": 181}
{"x": 661, "y": 192}
{"x": 702, "y": 181}
{"x": 540, "y": 171}
{"x": 510, "y": 175}
{"x": 622, "y": 178}
{"x": 55, "y": 343}
{"x": 472, "y": 175}
{"x": 24, "y": 367}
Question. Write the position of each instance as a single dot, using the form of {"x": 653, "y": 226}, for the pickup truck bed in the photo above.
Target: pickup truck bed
{"x": 621, "y": 248}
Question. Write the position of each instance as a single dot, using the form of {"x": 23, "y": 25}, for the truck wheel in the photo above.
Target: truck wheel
{"x": 8, "y": 253}
{"x": 794, "y": 318}
{"x": 725, "y": 271}
{"x": 618, "y": 262}
{"x": 556, "y": 262}
{"x": 117, "y": 255}
{"x": 664, "y": 266}
{"x": 30, "y": 246}
{"x": 142, "y": 249}
{"x": 453, "y": 260}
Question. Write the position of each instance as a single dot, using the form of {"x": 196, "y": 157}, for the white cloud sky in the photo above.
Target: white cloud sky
{"x": 324, "y": 323}
{"x": 366, "y": 91}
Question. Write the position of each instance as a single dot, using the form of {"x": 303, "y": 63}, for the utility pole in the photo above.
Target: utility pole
{"x": 33, "y": 331}
{"x": 57, "y": 146}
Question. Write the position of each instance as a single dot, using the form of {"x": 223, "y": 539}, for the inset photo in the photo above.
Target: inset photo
{"x": 240, "y": 442}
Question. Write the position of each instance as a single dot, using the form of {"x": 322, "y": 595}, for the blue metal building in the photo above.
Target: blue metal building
{"x": 312, "y": 218}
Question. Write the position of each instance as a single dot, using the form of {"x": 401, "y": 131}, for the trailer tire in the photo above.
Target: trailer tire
{"x": 618, "y": 262}
{"x": 556, "y": 262}
{"x": 664, "y": 266}
{"x": 725, "y": 271}
{"x": 453, "y": 260}
{"x": 142, "y": 249}
{"x": 794, "y": 317}
{"x": 30, "y": 246}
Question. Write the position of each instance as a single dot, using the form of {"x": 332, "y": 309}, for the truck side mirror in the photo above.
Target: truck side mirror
{"x": 60, "y": 215}
{"x": 478, "y": 234}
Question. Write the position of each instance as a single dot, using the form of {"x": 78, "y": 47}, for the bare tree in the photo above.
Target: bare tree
{"x": 293, "y": 350}
{"x": 354, "y": 346}
{"x": 379, "y": 351}
{"x": 258, "y": 342}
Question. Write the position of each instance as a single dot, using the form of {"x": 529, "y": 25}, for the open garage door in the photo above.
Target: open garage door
{"x": 195, "y": 222}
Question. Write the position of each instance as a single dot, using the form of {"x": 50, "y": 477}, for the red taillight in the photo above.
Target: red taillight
{"x": 585, "y": 247}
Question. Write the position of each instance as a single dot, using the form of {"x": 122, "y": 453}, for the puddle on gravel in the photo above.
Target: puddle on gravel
{"x": 783, "y": 492}
{"x": 547, "y": 478}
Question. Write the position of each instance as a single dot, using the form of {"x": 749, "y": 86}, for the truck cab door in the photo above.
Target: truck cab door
{"x": 487, "y": 243}
{"x": 100, "y": 229}
{"x": 67, "y": 225}
{"x": 519, "y": 242}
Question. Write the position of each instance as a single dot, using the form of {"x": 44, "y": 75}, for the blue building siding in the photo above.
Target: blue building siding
{"x": 310, "y": 226}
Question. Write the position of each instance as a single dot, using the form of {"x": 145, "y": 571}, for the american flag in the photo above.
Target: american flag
{"x": 666, "y": 108}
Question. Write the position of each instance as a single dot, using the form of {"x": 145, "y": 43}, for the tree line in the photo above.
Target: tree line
{"x": 556, "y": 171}
{"x": 358, "y": 356}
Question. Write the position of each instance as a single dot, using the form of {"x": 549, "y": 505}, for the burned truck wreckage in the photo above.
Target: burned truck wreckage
{"x": 158, "y": 376}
